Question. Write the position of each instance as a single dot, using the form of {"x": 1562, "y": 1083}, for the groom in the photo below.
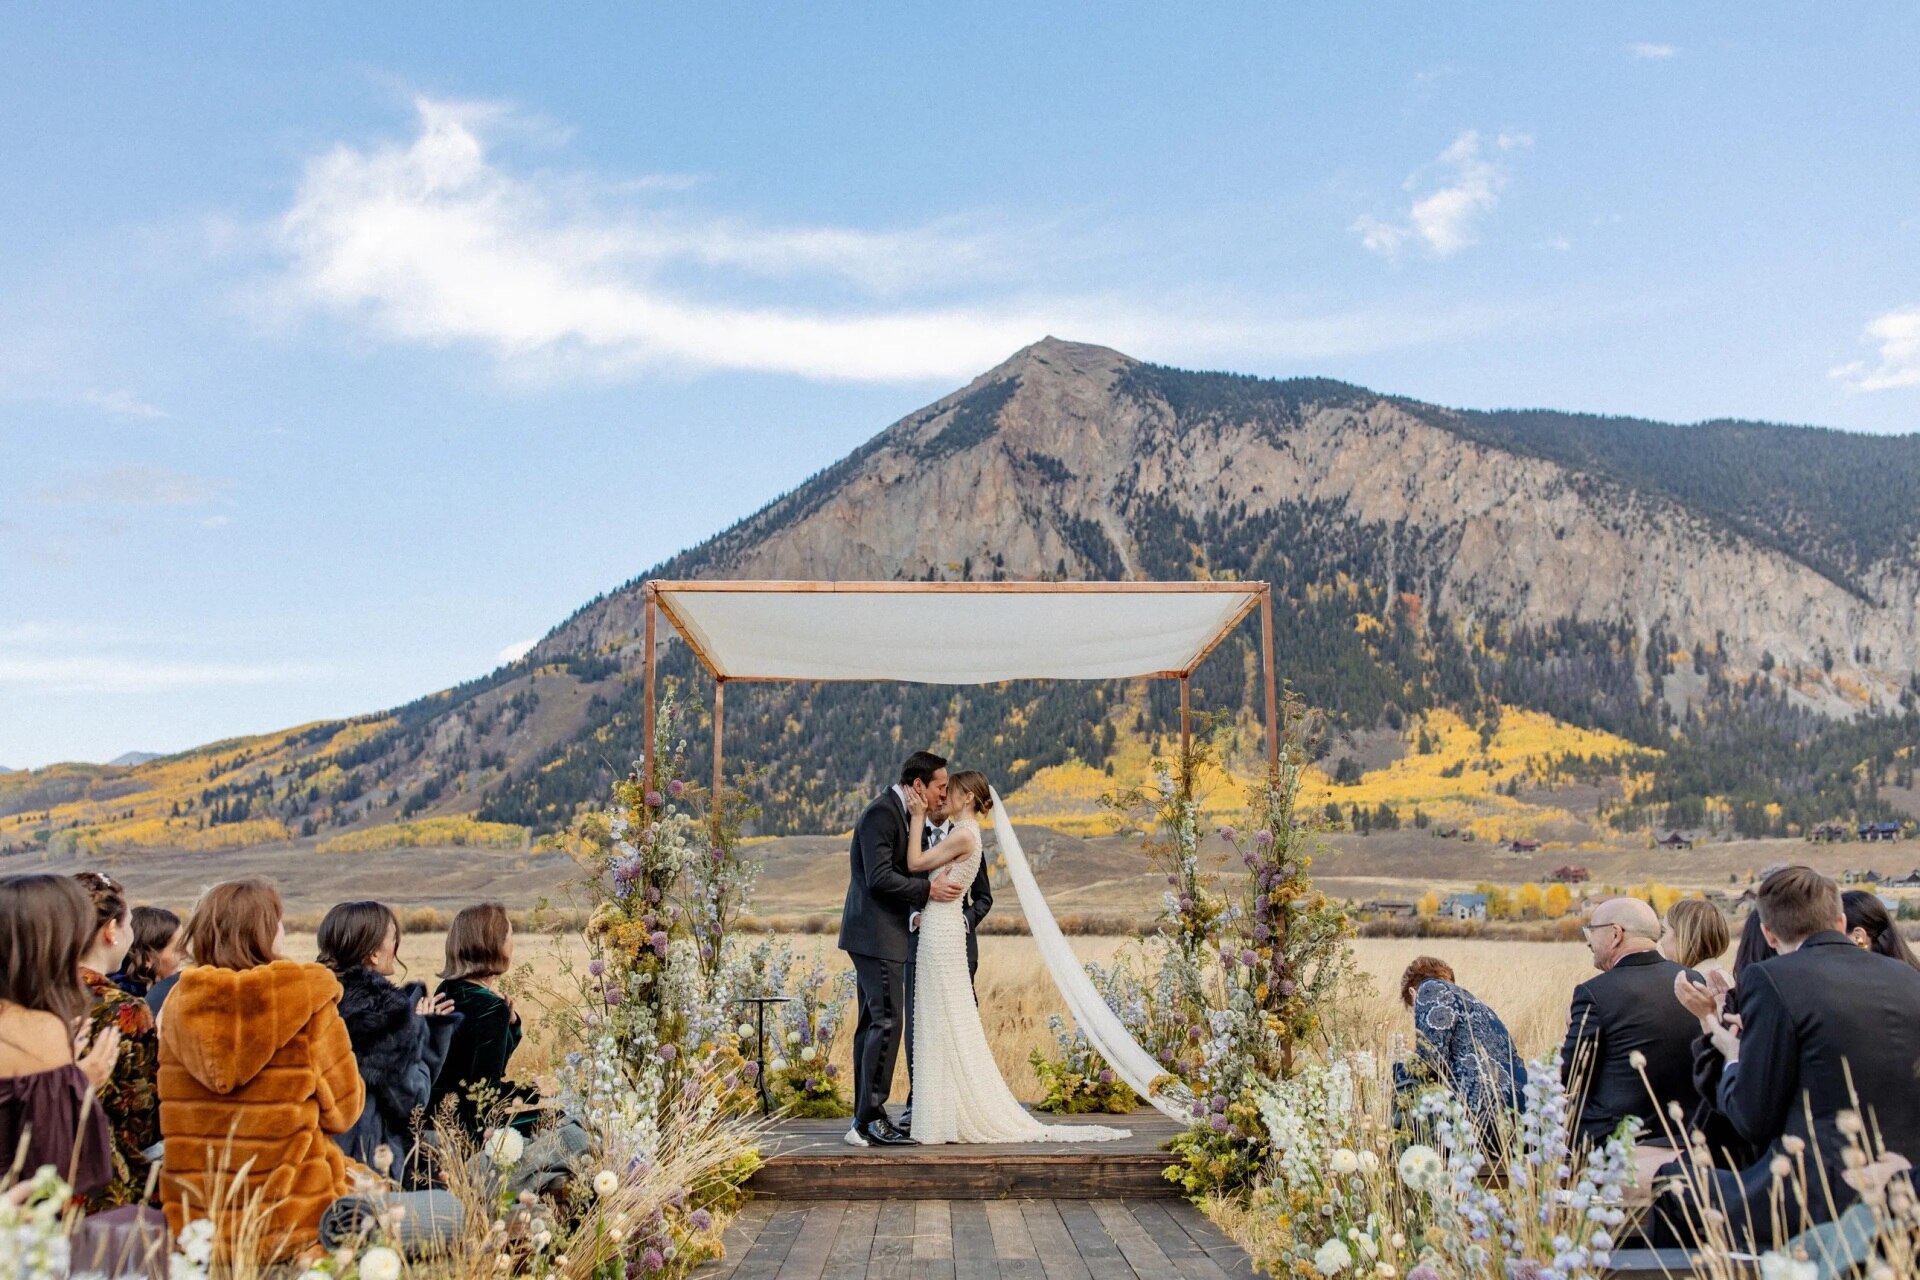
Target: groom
{"x": 881, "y": 893}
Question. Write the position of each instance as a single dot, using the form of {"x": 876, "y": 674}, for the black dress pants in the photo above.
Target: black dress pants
{"x": 884, "y": 1009}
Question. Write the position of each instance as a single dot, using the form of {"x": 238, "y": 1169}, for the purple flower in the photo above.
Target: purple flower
{"x": 1199, "y": 1109}
{"x": 613, "y": 995}
{"x": 1106, "y": 1077}
{"x": 659, "y": 941}
{"x": 1228, "y": 833}
{"x": 1219, "y": 1104}
{"x": 1228, "y": 959}
{"x": 1173, "y": 879}
{"x": 1193, "y": 1033}
{"x": 700, "y": 1219}
{"x": 718, "y": 854}
{"x": 832, "y": 1071}
{"x": 651, "y": 1261}
{"x": 654, "y": 800}
{"x": 1264, "y": 839}
{"x": 676, "y": 788}
{"x": 1186, "y": 903}
{"x": 751, "y": 1070}
{"x": 596, "y": 966}
{"x": 1249, "y": 957}
{"x": 1424, "y": 1271}
{"x": 1219, "y": 1124}
{"x": 806, "y": 1084}
{"x": 1261, "y": 933}
{"x": 1286, "y": 988}
{"x": 669, "y": 1052}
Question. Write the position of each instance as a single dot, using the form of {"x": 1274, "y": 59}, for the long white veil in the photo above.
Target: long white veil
{"x": 1098, "y": 1023}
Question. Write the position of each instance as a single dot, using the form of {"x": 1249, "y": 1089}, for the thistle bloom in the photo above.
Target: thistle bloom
{"x": 654, "y": 800}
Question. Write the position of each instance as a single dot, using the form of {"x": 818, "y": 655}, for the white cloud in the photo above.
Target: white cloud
{"x": 437, "y": 241}
{"x": 122, "y": 404}
{"x": 216, "y": 522}
{"x": 1645, "y": 51}
{"x": 515, "y": 651}
{"x": 1442, "y": 221}
{"x": 1897, "y": 334}
{"x": 131, "y": 486}
{"x": 70, "y": 673}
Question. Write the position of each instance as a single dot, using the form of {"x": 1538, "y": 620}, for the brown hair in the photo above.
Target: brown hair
{"x": 1423, "y": 969}
{"x": 974, "y": 783}
{"x": 1797, "y": 902}
{"x": 1700, "y": 931}
{"x": 234, "y": 925}
{"x": 46, "y": 925}
{"x": 352, "y": 931}
{"x": 154, "y": 929}
{"x": 109, "y": 897}
{"x": 477, "y": 942}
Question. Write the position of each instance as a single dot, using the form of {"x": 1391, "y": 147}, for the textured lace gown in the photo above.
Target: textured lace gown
{"x": 958, "y": 1092}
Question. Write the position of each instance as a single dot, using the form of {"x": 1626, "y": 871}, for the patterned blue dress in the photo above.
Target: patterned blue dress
{"x": 1461, "y": 1043}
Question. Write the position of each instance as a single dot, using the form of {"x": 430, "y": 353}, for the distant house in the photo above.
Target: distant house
{"x": 1389, "y": 909}
{"x": 1909, "y": 881}
{"x": 1465, "y": 906}
{"x": 1570, "y": 875}
{"x": 1674, "y": 840}
{"x": 1827, "y": 832}
{"x": 1520, "y": 844}
{"x": 1877, "y": 831}
{"x": 1859, "y": 876}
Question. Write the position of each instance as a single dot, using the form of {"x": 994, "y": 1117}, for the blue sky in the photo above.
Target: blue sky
{"x": 344, "y": 348}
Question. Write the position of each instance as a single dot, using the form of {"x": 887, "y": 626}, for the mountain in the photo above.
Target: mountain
{"x": 1736, "y": 599}
{"x": 134, "y": 757}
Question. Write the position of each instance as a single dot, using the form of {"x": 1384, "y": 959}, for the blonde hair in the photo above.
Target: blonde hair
{"x": 1700, "y": 931}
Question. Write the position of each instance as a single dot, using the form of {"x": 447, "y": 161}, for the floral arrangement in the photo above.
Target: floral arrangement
{"x": 1076, "y": 1079}
{"x": 1346, "y": 1192}
{"x": 800, "y": 1080}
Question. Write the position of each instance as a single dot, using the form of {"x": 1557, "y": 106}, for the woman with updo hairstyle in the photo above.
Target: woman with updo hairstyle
{"x": 400, "y": 1036}
{"x": 131, "y": 1094}
{"x": 159, "y": 950}
{"x": 1460, "y": 1044}
{"x": 1871, "y": 927}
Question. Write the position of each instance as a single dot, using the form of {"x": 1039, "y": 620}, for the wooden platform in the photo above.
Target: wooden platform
{"x": 1097, "y": 1239}
{"x": 810, "y": 1160}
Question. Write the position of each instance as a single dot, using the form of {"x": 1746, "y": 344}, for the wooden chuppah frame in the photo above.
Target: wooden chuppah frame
{"x": 1260, "y": 593}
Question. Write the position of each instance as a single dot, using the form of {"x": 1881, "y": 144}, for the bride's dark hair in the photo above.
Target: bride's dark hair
{"x": 974, "y": 783}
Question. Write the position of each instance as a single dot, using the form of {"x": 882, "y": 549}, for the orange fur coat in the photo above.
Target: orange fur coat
{"x": 256, "y": 1071}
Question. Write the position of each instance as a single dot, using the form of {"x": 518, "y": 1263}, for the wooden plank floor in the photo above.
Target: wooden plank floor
{"x": 1083, "y": 1239}
{"x": 809, "y": 1159}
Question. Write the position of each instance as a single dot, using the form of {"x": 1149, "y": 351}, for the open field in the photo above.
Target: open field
{"x": 1528, "y": 983}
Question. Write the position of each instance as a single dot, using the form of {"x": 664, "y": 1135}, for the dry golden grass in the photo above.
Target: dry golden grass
{"x": 1527, "y": 983}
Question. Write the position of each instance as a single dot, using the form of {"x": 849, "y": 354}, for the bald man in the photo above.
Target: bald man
{"x": 1628, "y": 1010}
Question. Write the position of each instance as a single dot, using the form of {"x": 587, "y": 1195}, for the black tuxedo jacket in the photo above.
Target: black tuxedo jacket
{"x": 1631, "y": 1007}
{"x": 881, "y": 891}
{"x": 1811, "y": 1021}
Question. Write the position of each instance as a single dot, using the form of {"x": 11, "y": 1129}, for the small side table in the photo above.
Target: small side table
{"x": 760, "y": 1004}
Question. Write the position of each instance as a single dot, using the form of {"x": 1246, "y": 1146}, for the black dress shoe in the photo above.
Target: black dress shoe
{"x": 881, "y": 1133}
{"x": 905, "y": 1123}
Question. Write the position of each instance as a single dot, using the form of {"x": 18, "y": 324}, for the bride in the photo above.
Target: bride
{"x": 958, "y": 1092}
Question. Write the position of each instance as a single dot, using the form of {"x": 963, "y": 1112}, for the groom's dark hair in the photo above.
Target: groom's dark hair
{"x": 920, "y": 767}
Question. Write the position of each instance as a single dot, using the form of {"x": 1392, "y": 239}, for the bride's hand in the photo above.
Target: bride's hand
{"x": 916, "y": 804}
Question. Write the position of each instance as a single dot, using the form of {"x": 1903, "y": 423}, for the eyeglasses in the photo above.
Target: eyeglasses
{"x": 1586, "y": 930}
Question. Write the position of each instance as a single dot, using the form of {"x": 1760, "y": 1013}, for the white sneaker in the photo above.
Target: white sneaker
{"x": 854, "y": 1138}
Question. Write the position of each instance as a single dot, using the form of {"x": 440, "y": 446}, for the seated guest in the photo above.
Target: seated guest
{"x": 47, "y": 1115}
{"x": 1459, "y": 1042}
{"x": 1625, "y": 1014}
{"x": 1696, "y": 933}
{"x": 1827, "y": 1038}
{"x": 1871, "y": 927}
{"x": 1728, "y": 1148}
{"x": 130, "y": 1094}
{"x": 157, "y": 952}
{"x": 256, "y": 1074}
{"x": 400, "y": 1034}
{"x": 479, "y": 950}
{"x": 1754, "y": 946}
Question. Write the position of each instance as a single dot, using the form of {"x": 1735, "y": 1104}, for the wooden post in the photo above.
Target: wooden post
{"x": 647, "y": 716}
{"x": 1186, "y": 727}
{"x": 1266, "y": 656}
{"x": 719, "y": 735}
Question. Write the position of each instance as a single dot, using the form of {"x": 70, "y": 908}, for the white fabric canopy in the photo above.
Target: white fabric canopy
{"x": 953, "y": 633}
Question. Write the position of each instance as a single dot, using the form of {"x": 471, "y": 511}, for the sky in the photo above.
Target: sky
{"x": 346, "y": 349}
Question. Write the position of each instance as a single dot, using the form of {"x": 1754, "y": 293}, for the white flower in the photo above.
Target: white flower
{"x": 1637, "y": 1060}
{"x": 196, "y": 1241}
{"x": 778, "y": 1064}
{"x": 504, "y": 1147}
{"x": 379, "y": 1263}
{"x": 793, "y": 1037}
{"x": 1369, "y": 1161}
{"x": 1398, "y": 1241}
{"x": 1775, "y": 1265}
{"x": 745, "y": 1030}
{"x": 312, "y": 1274}
{"x": 1333, "y": 1257}
{"x": 1344, "y": 1161}
{"x": 1421, "y": 1167}
{"x": 808, "y": 1054}
{"x": 1384, "y": 1270}
{"x": 606, "y": 1182}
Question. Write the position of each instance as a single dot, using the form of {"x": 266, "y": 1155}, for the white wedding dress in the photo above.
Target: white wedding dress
{"x": 958, "y": 1092}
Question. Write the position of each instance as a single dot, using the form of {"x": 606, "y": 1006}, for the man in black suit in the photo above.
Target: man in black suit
{"x": 1821, "y": 1060}
{"x": 881, "y": 893}
{"x": 1624, "y": 1022}
{"x": 974, "y": 906}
